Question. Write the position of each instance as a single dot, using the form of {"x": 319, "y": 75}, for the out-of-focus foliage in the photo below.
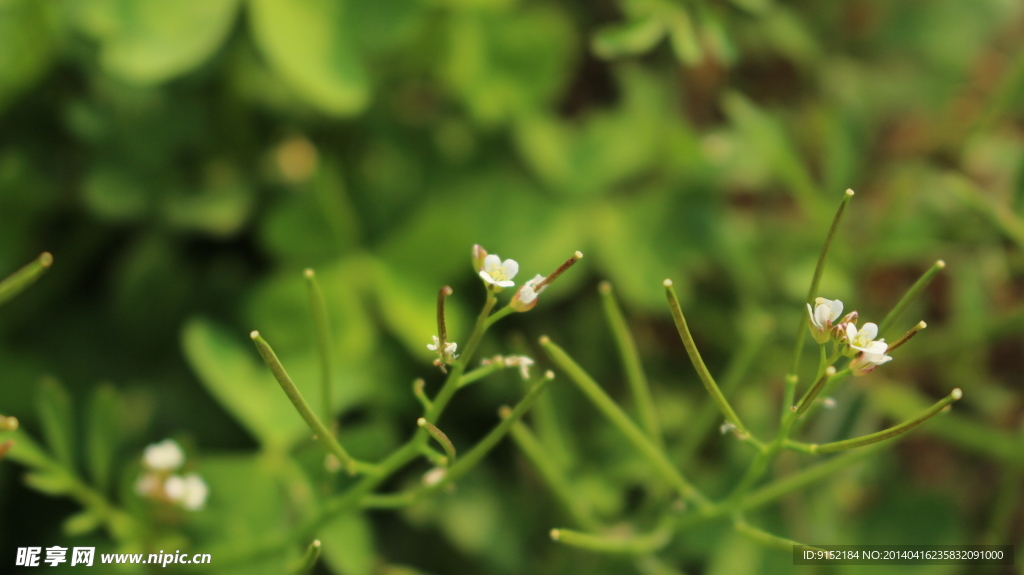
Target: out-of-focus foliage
{"x": 184, "y": 161}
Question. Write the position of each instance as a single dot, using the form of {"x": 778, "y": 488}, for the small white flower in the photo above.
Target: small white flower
{"x": 499, "y": 273}
{"x": 864, "y": 338}
{"x": 164, "y": 456}
{"x": 445, "y": 353}
{"x": 147, "y": 484}
{"x": 727, "y": 427}
{"x": 867, "y": 361}
{"x": 190, "y": 491}
{"x": 522, "y": 362}
{"x": 822, "y": 316}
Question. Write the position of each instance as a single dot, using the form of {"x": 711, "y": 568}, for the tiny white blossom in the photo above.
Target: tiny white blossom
{"x": 522, "y": 362}
{"x": 434, "y": 475}
{"x": 164, "y": 456}
{"x": 190, "y": 491}
{"x": 445, "y": 353}
{"x": 824, "y": 313}
{"x": 499, "y": 273}
{"x": 867, "y": 361}
{"x": 864, "y": 338}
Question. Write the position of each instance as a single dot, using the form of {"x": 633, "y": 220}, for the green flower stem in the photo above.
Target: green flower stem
{"x": 319, "y": 430}
{"x": 765, "y": 538}
{"x": 24, "y": 277}
{"x": 698, "y": 364}
{"x": 324, "y": 342}
{"x": 480, "y": 373}
{"x": 498, "y": 315}
{"x": 705, "y": 420}
{"x": 776, "y": 489}
{"x": 311, "y": 557}
{"x": 892, "y": 432}
{"x": 451, "y": 385}
{"x": 434, "y": 457}
{"x": 812, "y": 292}
{"x": 439, "y": 437}
{"x": 631, "y": 363}
{"x": 421, "y": 396}
{"x": 632, "y": 544}
{"x": 908, "y": 298}
{"x": 814, "y": 390}
{"x": 826, "y": 389}
{"x": 552, "y": 474}
{"x": 617, "y": 417}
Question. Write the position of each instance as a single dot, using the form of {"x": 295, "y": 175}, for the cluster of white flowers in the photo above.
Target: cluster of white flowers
{"x": 445, "y": 353}
{"x": 858, "y": 343}
{"x": 159, "y": 482}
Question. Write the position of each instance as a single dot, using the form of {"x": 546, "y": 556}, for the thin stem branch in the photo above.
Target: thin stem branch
{"x": 764, "y": 538}
{"x": 617, "y": 417}
{"x": 698, "y": 363}
{"x": 451, "y": 385}
{"x": 630, "y": 357}
{"x": 636, "y": 544}
{"x": 439, "y": 437}
{"x": 911, "y": 294}
{"x": 324, "y": 342}
{"x": 319, "y": 430}
{"x": 24, "y": 277}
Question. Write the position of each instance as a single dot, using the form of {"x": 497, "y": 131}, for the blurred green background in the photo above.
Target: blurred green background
{"x": 185, "y": 160}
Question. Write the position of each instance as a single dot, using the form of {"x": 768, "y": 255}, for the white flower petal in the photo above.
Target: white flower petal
{"x": 504, "y": 284}
{"x": 492, "y": 262}
{"x": 869, "y": 331}
{"x": 164, "y": 456}
{"x": 511, "y": 268}
{"x": 487, "y": 277}
{"x": 836, "y": 308}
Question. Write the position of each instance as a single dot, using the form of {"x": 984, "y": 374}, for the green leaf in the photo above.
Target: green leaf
{"x": 49, "y": 482}
{"x": 55, "y": 411}
{"x": 348, "y": 545}
{"x": 26, "y": 48}
{"x": 230, "y": 371}
{"x": 634, "y": 37}
{"x": 81, "y": 523}
{"x": 152, "y": 41}
{"x": 103, "y": 436}
{"x": 308, "y": 43}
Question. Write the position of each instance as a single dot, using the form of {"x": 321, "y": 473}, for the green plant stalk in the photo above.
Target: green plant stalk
{"x": 323, "y": 340}
{"x": 791, "y": 380}
{"x": 814, "y": 390}
{"x": 704, "y": 421}
{"x": 451, "y": 385}
{"x": 439, "y": 437}
{"x": 911, "y": 294}
{"x": 319, "y": 430}
{"x": 421, "y": 396}
{"x": 552, "y": 474}
{"x": 633, "y": 545}
{"x": 617, "y": 417}
{"x": 434, "y": 457}
{"x": 24, "y": 277}
{"x": 630, "y": 357}
{"x": 830, "y": 385}
{"x": 765, "y": 538}
{"x": 890, "y": 433}
{"x": 698, "y": 364}
{"x": 311, "y": 557}
{"x": 480, "y": 373}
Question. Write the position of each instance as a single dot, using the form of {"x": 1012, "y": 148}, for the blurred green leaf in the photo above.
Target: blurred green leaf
{"x": 152, "y": 41}
{"x": 52, "y": 483}
{"x": 103, "y": 436}
{"x": 81, "y": 523}
{"x": 309, "y": 43}
{"x": 348, "y": 545}
{"x": 26, "y": 47}
{"x": 58, "y": 421}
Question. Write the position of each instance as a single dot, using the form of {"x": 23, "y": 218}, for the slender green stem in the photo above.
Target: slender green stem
{"x": 617, "y": 417}
{"x": 311, "y": 557}
{"x": 631, "y": 544}
{"x": 906, "y": 336}
{"x": 802, "y": 478}
{"x": 765, "y": 538}
{"x": 440, "y": 437}
{"x": 552, "y": 474}
{"x": 434, "y": 457}
{"x": 324, "y": 342}
{"x": 498, "y": 315}
{"x": 24, "y": 277}
{"x": 480, "y": 372}
{"x": 698, "y": 364}
{"x": 451, "y": 385}
{"x": 830, "y": 384}
{"x": 894, "y": 431}
{"x": 631, "y": 363}
{"x": 704, "y": 422}
{"x": 319, "y": 430}
{"x": 814, "y": 390}
{"x": 421, "y": 396}
{"x": 912, "y": 293}
{"x": 812, "y": 292}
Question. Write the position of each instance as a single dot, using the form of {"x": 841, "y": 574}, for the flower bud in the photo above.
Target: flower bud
{"x": 526, "y": 296}
{"x": 479, "y": 253}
